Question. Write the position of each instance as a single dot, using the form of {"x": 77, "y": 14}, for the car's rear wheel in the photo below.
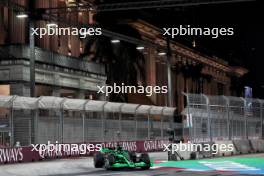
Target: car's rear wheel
{"x": 98, "y": 160}
{"x": 145, "y": 158}
{"x": 133, "y": 156}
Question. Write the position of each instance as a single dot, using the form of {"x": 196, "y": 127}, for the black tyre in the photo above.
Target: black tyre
{"x": 98, "y": 160}
{"x": 111, "y": 159}
{"x": 133, "y": 156}
{"x": 172, "y": 157}
{"x": 193, "y": 156}
{"x": 145, "y": 158}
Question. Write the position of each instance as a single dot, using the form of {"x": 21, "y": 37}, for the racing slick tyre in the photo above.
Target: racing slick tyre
{"x": 99, "y": 160}
{"x": 145, "y": 158}
{"x": 109, "y": 161}
{"x": 133, "y": 156}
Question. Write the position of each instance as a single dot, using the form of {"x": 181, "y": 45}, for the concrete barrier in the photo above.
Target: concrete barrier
{"x": 161, "y": 156}
{"x": 186, "y": 155}
{"x": 199, "y": 151}
{"x": 179, "y": 153}
{"x": 243, "y": 146}
{"x": 205, "y": 154}
{"x": 257, "y": 145}
{"x": 225, "y": 152}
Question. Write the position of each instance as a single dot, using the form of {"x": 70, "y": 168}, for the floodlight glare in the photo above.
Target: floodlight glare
{"x": 161, "y": 53}
{"x": 21, "y": 15}
{"x": 140, "y": 48}
{"x": 52, "y": 25}
{"x": 115, "y": 41}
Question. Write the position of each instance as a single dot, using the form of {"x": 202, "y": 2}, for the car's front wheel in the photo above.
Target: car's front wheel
{"x": 109, "y": 161}
{"x": 145, "y": 158}
{"x": 99, "y": 160}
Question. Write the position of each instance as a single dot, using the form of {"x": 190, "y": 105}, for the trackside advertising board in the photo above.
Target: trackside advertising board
{"x": 52, "y": 151}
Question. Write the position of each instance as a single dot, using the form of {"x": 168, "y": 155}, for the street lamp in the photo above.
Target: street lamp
{"x": 140, "y": 48}
{"x": 115, "y": 41}
{"x": 32, "y": 49}
{"x": 52, "y": 25}
{"x": 22, "y": 15}
{"x": 162, "y": 53}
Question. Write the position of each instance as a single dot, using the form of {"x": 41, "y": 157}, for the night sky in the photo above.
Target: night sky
{"x": 244, "y": 49}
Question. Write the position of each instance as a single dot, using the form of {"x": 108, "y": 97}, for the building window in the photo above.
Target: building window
{"x": 220, "y": 88}
{"x": 4, "y": 89}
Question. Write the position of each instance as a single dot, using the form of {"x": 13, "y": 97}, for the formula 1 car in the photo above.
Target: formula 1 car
{"x": 118, "y": 158}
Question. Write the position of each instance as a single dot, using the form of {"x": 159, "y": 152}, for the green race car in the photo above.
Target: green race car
{"x": 118, "y": 158}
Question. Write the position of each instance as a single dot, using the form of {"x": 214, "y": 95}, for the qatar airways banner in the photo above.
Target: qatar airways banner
{"x": 139, "y": 146}
{"x": 38, "y": 152}
{"x": 18, "y": 154}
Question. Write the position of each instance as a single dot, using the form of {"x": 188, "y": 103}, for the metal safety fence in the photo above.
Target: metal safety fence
{"x": 212, "y": 118}
{"x": 39, "y": 120}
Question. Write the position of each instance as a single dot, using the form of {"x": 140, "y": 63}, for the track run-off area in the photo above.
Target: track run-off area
{"x": 236, "y": 165}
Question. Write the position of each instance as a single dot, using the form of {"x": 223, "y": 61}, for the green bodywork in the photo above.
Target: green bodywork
{"x": 122, "y": 159}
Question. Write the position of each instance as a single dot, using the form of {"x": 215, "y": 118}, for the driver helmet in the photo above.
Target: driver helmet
{"x": 119, "y": 148}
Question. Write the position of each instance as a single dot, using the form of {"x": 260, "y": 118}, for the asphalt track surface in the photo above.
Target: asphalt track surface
{"x": 84, "y": 167}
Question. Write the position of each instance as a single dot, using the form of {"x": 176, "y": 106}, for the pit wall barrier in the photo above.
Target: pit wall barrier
{"x": 27, "y": 154}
